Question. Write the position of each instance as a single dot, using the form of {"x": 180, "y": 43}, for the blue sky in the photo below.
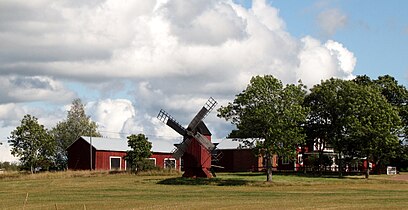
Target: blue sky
{"x": 376, "y": 31}
{"x": 127, "y": 60}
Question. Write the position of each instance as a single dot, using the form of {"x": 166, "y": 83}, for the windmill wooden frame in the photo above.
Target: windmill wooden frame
{"x": 196, "y": 148}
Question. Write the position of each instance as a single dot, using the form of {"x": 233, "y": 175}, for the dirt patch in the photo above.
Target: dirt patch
{"x": 403, "y": 177}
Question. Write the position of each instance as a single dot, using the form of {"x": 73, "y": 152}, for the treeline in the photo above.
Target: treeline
{"x": 9, "y": 166}
{"x": 39, "y": 148}
{"x": 360, "y": 118}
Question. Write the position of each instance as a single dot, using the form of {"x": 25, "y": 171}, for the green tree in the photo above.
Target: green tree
{"x": 66, "y": 132}
{"x": 271, "y": 112}
{"x": 354, "y": 118}
{"x": 32, "y": 144}
{"x": 397, "y": 96}
{"x": 141, "y": 150}
{"x": 9, "y": 166}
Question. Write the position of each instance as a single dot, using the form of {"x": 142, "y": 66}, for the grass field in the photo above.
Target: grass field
{"x": 101, "y": 190}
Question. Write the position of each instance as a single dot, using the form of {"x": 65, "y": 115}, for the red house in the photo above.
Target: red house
{"x": 108, "y": 154}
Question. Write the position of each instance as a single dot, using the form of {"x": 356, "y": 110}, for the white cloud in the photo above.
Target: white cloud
{"x": 32, "y": 88}
{"x": 331, "y": 20}
{"x": 112, "y": 115}
{"x": 328, "y": 60}
{"x": 118, "y": 119}
{"x": 158, "y": 54}
{"x": 5, "y": 154}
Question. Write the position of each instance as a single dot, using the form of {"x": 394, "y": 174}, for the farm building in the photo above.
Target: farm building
{"x": 230, "y": 156}
{"x": 108, "y": 154}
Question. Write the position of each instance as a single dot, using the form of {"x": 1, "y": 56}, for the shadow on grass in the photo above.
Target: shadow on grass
{"x": 248, "y": 174}
{"x": 203, "y": 181}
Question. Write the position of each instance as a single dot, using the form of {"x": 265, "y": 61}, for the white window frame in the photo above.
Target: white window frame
{"x": 300, "y": 159}
{"x": 175, "y": 162}
{"x": 155, "y": 161}
{"x": 120, "y": 162}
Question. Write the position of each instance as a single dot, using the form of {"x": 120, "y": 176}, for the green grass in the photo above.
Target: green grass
{"x": 101, "y": 190}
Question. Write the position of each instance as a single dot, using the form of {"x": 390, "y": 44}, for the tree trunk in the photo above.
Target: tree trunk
{"x": 367, "y": 173}
{"x": 320, "y": 162}
{"x": 341, "y": 168}
{"x": 268, "y": 168}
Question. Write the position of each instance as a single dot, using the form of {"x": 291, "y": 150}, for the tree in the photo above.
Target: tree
{"x": 397, "y": 96}
{"x": 141, "y": 150}
{"x": 270, "y": 112}
{"x": 354, "y": 118}
{"x": 32, "y": 144}
{"x": 66, "y": 132}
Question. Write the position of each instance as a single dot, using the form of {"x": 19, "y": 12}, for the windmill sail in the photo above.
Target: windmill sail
{"x": 181, "y": 148}
{"x": 204, "y": 141}
{"x": 208, "y": 106}
{"x": 171, "y": 122}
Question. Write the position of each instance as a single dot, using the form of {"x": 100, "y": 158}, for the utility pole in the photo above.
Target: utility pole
{"x": 90, "y": 151}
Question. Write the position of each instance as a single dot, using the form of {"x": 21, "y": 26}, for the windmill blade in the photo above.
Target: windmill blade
{"x": 208, "y": 106}
{"x": 171, "y": 122}
{"x": 204, "y": 141}
{"x": 181, "y": 148}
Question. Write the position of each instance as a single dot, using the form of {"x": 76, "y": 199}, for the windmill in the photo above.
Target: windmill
{"x": 196, "y": 147}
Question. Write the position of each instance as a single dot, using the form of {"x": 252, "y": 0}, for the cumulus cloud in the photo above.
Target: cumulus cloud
{"x": 118, "y": 118}
{"x": 113, "y": 115}
{"x": 32, "y": 88}
{"x": 331, "y": 20}
{"x": 327, "y": 60}
{"x": 156, "y": 54}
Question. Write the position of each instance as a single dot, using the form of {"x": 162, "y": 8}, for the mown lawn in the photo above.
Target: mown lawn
{"x": 100, "y": 190}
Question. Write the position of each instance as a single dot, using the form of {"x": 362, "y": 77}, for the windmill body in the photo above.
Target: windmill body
{"x": 195, "y": 149}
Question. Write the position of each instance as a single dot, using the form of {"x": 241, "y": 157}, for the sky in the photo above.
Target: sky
{"x": 126, "y": 60}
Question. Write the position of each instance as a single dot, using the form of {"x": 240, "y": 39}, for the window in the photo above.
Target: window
{"x": 115, "y": 163}
{"x": 285, "y": 160}
{"x": 152, "y": 161}
{"x": 300, "y": 159}
{"x": 170, "y": 163}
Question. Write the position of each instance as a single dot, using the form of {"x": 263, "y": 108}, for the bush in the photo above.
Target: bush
{"x": 7, "y": 166}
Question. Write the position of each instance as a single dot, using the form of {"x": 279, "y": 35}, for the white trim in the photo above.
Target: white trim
{"x": 300, "y": 159}
{"x": 154, "y": 160}
{"x": 175, "y": 162}
{"x": 110, "y": 162}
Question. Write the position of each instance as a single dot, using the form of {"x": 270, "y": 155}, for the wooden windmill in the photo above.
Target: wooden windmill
{"x": 195, "y": 149}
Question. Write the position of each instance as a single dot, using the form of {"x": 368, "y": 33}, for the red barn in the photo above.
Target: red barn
{"x": 108, "y": 154}
{"x": 232, "y": 157}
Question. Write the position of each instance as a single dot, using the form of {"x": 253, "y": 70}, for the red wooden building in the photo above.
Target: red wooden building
{"x": 232, "y": 157}
{"x": 108, "y": 154}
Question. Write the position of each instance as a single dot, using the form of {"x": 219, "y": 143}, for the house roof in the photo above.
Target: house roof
{"x": 116, "y": 144}
{"x": 202, "y": 128}
{"x": 108, "y": 144}
{"x": 232, "y": 144}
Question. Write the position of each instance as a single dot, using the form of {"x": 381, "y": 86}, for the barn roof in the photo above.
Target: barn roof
{"x": 202, "y": 128}
{"x": 107, "y": 144}
{"x": 231, "y": 144}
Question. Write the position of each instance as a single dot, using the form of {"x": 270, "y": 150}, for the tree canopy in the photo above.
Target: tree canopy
{"x": 66, "y": 132}
{"x": 271, "y": 112}
{"x": 140, "y": 151}
{"x": 32, "y": 143}
{"x": 354, "y": 118}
